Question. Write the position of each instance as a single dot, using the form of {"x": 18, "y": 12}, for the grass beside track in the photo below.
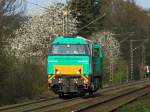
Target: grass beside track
{"x": 140, "y": 105}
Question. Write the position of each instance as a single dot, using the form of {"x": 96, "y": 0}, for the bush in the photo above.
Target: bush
{"x": 119, "y": 71}
{"x": 20, "y": 80}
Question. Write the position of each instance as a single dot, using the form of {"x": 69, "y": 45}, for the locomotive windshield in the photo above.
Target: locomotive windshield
{"x": 69, "y": 49}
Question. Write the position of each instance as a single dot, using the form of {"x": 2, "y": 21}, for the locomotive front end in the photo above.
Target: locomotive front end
{"x": 69, "y": 66}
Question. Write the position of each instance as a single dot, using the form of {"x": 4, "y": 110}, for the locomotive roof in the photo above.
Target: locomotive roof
{"x": 70, "y": 40}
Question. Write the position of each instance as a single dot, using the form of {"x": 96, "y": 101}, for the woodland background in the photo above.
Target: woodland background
{"x": 24, "y": 41}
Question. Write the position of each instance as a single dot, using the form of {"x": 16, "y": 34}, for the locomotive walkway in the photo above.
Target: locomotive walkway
{"x": 106, "y": 100}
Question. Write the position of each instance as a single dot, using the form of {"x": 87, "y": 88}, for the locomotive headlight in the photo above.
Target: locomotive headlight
{"x": 58, "y": 72}
{"x": 79, "y": 71}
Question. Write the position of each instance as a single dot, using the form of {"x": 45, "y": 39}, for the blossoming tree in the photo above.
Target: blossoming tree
{"x": 110, "y": 45}
{"x": 32, "y": 37}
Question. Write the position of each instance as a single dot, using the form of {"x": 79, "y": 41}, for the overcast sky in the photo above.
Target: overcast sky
{"x": 33, "y": 8}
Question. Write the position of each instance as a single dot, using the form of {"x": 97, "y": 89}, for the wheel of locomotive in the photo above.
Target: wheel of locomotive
{"x": 61, "y": 95}
{"x": 90, "y": 93}
{"x": 91, "y": 88}
{"x": 81, "y": 91}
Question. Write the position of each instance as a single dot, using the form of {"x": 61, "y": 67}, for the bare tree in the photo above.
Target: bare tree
{"x": 10, "y": 11}
{"x": 10, "y": 16}
{"x": 126, "y": 18}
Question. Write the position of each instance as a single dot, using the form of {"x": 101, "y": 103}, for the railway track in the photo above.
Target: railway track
{"x": 103, "y": 97}
{"x": 115, "y": 102}
{"x": 51, "y": 104}
{"x": 113, "y": 87}
{"x": 33, "y": 105}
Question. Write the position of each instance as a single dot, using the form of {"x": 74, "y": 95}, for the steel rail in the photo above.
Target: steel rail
{"x": 95, "y": 105}
{"x": 49, "y": 105}
{"x": 67, "y": 105}
{"x": 26, "y": 103}
{"x": 52, "y": 102}
{"x": 132, "y": 83}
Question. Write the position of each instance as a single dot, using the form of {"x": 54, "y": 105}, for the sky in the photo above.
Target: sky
{"x": 143, "y": 3}
{"x": 31, "y": 9}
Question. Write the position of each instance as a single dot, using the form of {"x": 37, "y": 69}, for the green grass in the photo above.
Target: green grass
{"x": 140, "y": 105}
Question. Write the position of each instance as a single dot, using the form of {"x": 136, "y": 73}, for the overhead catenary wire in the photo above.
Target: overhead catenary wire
{"x": 98, "y": 18}
{"x": 123, "y": 40}
{"x": 141, "y": 44}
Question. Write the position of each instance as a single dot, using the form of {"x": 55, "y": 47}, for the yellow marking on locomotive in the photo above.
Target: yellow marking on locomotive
{"x": 68, "y": 70}
{"x": 50, "y": 77}
{"x": 84, "y": 77}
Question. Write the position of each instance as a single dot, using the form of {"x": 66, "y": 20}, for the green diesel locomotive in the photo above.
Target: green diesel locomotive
{"x": 74, "y": 65}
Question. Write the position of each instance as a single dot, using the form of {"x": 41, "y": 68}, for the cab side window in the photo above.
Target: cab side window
{"x": 95, "y": 52}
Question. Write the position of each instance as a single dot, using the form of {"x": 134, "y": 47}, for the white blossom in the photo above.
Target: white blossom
{"x": 110, "y": 46}
{"x": 31, "y": 39}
